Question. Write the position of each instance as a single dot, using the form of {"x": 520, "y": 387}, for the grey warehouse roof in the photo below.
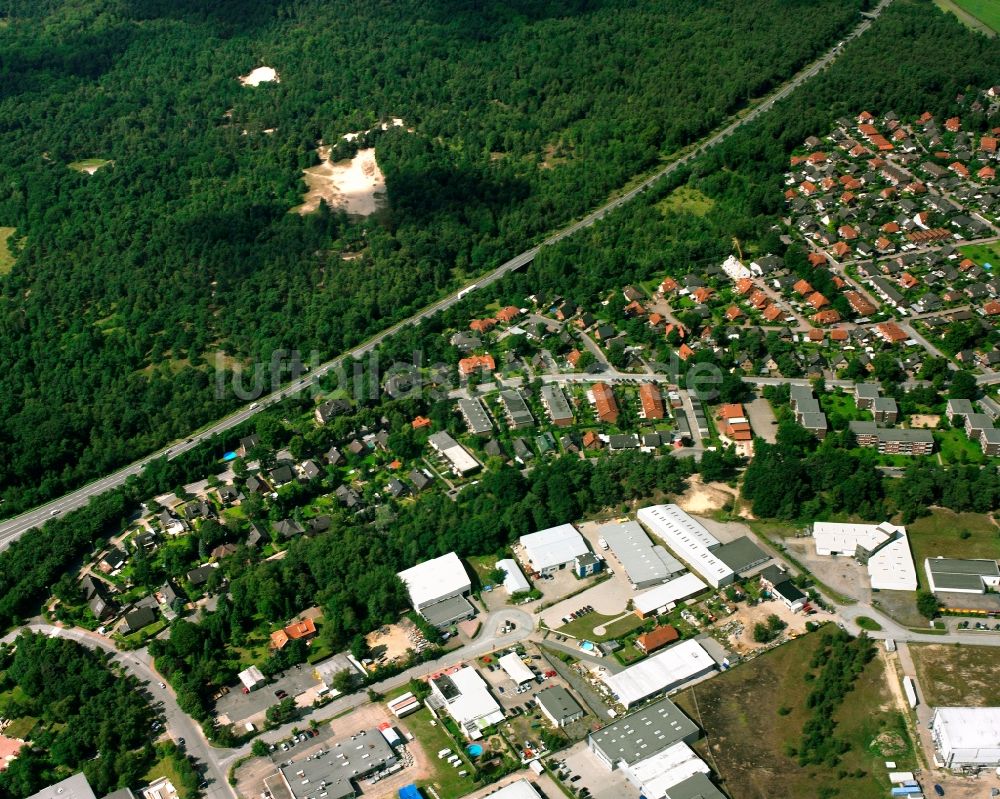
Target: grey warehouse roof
{"x": 643, "y": 734}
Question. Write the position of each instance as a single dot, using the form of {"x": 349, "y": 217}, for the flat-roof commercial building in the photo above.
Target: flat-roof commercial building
{"x": 332, "y": 774}
{"x": 75, "y": 787}
{"x": 554, "y": 548}
{"x": 467, "y": 699}
{"x": 959, "y": 576}
{"x": 645, "y": 564}
{"x": 664, "y": 597}
{"x": 884, "y": 548}
{"x": 251, "y": 678}
{"x": 459, "y": 458}
{"x": 741, "y": 554}
{"x": 476, "y": 418}
{"x": 516, "y": 409}
{"x": 521, "y": 789}
{"x": 661, "y": 673}
{"x": 689, "y": 540}
{"x": 642, "y": 734}
{"x": 439, "y": 585}
{"x": 556, "y": 405}
{"x": 514, "y": 580}
{"x": 652, "y": 749}
{"x": 664, "y": 774}
{"x": 967, "y": 737}
{"x": 559, "y": 706}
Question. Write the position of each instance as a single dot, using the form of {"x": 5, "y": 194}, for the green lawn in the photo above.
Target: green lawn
{"x": 842, "y": 406}
{"x": 432, "y": 738}
{"x": 164, "y": 767}
{"x": 955, "y": 447}
{"x": 982, "y": 253}
{"x": 584, "y": 628}
{"x": 986, "y": 11}
{"x": 20, "y": 728}
{"x": 6, "y": 256}
{"x": 686, "y": 199}
{"x": 746, "y": 736}
{"x": 939, "y": 534}
{"x": 89, "y": 164}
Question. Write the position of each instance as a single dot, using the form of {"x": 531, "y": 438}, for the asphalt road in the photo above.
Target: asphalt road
{"x": 177, "y": 723}
{"x": 12, "y": 529}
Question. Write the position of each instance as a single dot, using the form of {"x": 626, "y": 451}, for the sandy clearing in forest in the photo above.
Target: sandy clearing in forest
{"x": 705, "y": 498}
{"x": 356, "y": 186}
{"x": 259, "y": 76}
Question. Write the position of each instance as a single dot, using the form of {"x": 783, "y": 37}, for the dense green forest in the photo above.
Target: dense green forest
{"x": 90, "y": 717}
{"x": 523, "y": 114}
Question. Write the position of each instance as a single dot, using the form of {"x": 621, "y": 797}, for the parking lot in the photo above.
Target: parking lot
{"x": 237, "y": 707}
{"x": 506, "y": 691}
{"x": 584, "y": 770}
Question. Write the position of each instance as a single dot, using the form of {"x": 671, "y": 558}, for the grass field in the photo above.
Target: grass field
{"x": 433, "y": 738}
{"x": 584, "y": 627}
{"x": 89, "y": 165}
{"x": 686, "y": 199}
{"x": 939, "y": 534}
{"x": 164, "y": 767}
{"x": 952, "y": 675}
{"x": 986, "y": 11}
{"x": 6, "y": 256}
{"x": 963, "y": 10}
{"x": 983, "y": 253}
{"x": 747, "y": 736}
{"x": 20, "y": 728}
{"x": 955, "y": 447}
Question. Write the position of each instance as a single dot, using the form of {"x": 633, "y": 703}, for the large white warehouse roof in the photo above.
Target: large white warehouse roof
{"x": 662, "y": 672}
{"x": 553, "y": 547}
{"x": 689, "y": 539}
{"x": 668, "y": 594}
{"x": 436, "y": 579}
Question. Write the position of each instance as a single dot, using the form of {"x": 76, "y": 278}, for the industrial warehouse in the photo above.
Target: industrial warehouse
{"x": 438, "y": 589}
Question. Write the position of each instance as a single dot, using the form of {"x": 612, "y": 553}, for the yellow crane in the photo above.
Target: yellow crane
{"x": 739, "y": 250}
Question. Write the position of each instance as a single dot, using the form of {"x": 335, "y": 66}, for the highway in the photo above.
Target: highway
{"x": 12, "y": 529}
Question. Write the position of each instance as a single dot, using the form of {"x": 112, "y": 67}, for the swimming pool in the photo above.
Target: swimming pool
{"x": 229, "y": 456}
{"x": 474, "y": 750}
{"x": 587, "y": 646}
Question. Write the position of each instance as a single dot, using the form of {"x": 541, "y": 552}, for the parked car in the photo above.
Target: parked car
{"x": 939, "y": 790}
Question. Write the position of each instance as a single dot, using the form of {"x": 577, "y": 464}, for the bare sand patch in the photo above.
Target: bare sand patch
{"x": 705, "y": 497}
{"x": 392, "y": 641}
{"x": 259, "y": 76}
{"x": 928, "y": 420}
{"x": 357, "y": 186}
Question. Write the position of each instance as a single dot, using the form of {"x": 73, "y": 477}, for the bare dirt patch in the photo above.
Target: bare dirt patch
{"x": 705, "y": 497}
{"x": 392, "y": 641}
{"x": 357, "y": 186}
{"x": 259, "y": 76}
{"x": 951, "y": 675}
